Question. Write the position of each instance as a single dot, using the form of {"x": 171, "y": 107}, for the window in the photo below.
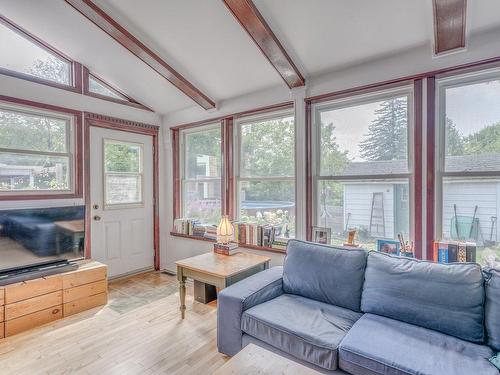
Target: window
{"x": 201, "y": 168}
{"x": 97, "y": 86}
{"x": 362, "y": 166}
{"x": 123, "y": 166}
{"x": 27, "y": 56}
{"x": 468, "y": 166}
{"x": 36, "y": 150}
{"x": 265, "y": 170}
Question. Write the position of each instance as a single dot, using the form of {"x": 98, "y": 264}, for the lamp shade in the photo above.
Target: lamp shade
{"x": 225, "y": 230}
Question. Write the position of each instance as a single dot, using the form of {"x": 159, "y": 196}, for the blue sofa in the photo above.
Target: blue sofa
{"x": 341, "y": 310}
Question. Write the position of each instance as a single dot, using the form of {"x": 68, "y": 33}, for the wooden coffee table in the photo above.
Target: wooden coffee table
{"x": 218, "y": 270}
{"x": 253, "y": 360}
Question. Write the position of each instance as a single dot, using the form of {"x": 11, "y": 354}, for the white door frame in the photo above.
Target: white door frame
{"x": 95, "y": 120}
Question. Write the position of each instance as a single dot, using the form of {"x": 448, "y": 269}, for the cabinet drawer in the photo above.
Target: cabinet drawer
{"x": 32, "y": 288}
{"x": 2, "y": 333}
{"x": 2, "y": 297}
{"x": 86, "y": 303}
{"x": 2, "y": 315}
{"x": 84, "y": 276}
{"x": 29, "y": 306}
{"x": 39, "y": 318}
{"x": 86, "y": 290}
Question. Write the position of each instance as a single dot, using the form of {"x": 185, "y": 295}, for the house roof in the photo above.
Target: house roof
{"x": 477, "y": 163}
{"x": 203, "y": 42}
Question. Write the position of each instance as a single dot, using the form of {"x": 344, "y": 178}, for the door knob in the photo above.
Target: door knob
{"x": 97, "y": 218}
{"x": 95, "y": 206}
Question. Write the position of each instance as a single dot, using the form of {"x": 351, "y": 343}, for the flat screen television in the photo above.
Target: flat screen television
{"x": 39, "y": 235}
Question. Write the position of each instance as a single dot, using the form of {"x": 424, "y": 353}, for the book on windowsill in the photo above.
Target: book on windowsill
{"x": 226, "y": 249}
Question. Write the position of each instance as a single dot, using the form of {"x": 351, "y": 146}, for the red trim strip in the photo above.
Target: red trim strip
{"x": 78, "y": 152}
{"x": 449, "y": 25}
{"x": 176, "y": 178}
{"x": 431, "y": 162}
{"x": 417, "y": 157}
{"x": 107, "y": 24}
{"x": 228, "y": 191}
{"x": 309, "y": 173}
{"x": 249, "y": 17}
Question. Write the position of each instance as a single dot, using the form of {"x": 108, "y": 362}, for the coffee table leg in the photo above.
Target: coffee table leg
{"x": 182, "y": 291}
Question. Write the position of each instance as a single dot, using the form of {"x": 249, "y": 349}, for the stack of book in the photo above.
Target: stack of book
{"x": 454, "y": 251}
{"x": 280, "y": 243}
{"x": 226, "y": 249}
{"x": 256, "y": 234}
{"x": 185, "y": 226}
{"x": 210, "y": 232}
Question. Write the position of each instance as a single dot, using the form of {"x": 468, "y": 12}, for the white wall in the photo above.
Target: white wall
{"x": 415, "y": 61}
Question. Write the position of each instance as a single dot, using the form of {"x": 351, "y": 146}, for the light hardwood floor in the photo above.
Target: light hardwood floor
{"x": 140, "y": 331}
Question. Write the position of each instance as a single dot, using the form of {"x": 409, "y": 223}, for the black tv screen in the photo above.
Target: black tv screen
{"x": 36, "y": 235}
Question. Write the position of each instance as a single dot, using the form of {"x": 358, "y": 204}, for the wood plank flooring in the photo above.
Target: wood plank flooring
{"x": 138, "y": 332}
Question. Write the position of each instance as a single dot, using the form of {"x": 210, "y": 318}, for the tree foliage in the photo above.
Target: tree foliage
{"x": 387, "y": 134}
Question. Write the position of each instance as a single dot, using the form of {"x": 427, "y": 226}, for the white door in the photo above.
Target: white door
{"x": 121, "y": 193}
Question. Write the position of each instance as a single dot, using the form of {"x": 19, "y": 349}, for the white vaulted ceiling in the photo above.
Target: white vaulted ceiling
{"x": 202, "y": 40}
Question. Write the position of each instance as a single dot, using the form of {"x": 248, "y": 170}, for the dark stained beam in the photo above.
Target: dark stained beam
{"x": 252, "y": 21}
{"x": 101, "y": 19}
{"x": 449, "y": 25}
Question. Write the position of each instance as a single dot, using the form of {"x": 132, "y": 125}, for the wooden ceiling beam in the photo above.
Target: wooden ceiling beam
{"x": 101, "y": 19}
{"x": 449, "y": 25}
{"x": 255, "y": 25}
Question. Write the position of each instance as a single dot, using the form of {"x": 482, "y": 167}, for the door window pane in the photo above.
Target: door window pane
{"x": 123, "y": 189}
{"x": 33, "y": 172}
{"x": 364, "y": 139}
{"x": 472, "y": 131}
{"x": 376, "y": 209}
{"x": 26, "y": 57}
{"x": 123, "y": 166}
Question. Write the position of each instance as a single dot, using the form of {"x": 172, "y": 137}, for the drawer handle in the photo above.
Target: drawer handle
{"x": 55, "y": 311}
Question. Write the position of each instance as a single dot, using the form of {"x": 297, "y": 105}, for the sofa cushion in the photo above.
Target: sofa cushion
{"x": 446, "y": 297}
{"x": 492, "y": 308}
{"x": 379, "y": 345}
{"x": 324, "y": 273}
{"x": 307, "y": 329}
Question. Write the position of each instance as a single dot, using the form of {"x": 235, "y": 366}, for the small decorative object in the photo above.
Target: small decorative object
{"x": 351, "y": 235}
{"x": 225, "y": 230}
{"x": 322, "y": 235}
{"x": 225, "y": 234}
{"x": 388, "y": 246}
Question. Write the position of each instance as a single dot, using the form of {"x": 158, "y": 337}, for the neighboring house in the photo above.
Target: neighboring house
{"x": 359, "y": 197}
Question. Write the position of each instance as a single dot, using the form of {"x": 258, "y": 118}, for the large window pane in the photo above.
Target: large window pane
{"x": 376, "y": 209}
{"x": 268, "y": 202}
{"x": 364, "y": 139}
{"x": 268, "y": 148}
{"x": 203, "y": 154}
{"x": 472, "y": 131}
{"x": 202, "y": 200}
{"x": 33, "y": 172}
{"x": 22, "y": 55}
{"x": 32, "y": 132}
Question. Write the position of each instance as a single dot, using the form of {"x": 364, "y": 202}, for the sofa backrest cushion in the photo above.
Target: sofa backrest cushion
{"x": 324, "y": 273}
{"x": 445, "y": 297}
{"x": 492, "y": 308}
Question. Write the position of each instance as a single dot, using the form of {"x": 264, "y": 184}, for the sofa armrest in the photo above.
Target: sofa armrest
{"x": 237, "y": 298}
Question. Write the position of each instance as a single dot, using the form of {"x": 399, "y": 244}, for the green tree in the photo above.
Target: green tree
{"x": 485, "y": 141}
{"x": 454, "y": 140}
{"x": 387, "y": 134}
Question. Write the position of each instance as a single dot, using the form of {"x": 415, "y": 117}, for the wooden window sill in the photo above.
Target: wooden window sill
{"x": 245, "y": 246}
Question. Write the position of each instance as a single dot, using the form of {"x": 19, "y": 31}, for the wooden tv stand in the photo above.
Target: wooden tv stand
{"x": 31, "y": 303}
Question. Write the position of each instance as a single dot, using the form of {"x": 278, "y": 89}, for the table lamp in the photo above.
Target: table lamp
{"x": 225, "y": 230}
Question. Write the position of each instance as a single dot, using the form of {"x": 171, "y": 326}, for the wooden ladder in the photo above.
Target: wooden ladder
{"x": 377, "y": 216}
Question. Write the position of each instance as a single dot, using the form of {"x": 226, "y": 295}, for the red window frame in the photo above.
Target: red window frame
{"x": 77, "y": 188}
